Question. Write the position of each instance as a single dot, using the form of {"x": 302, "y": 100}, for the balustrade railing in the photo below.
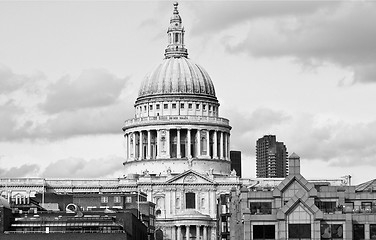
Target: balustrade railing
{"x": 177, "y": 118}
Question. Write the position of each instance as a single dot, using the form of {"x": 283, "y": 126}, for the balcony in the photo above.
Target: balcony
{"x": 175, "y": 119}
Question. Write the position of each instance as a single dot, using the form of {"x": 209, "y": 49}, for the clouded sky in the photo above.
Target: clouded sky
{"x": 302, "y": 70}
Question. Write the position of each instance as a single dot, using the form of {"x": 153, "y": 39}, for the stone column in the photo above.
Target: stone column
{"x": 158, "y": 142}
{"x": 225, "y": 143}
{"x": 221, "y": 145}
{"x": 140, "y": 148}
{"x": 179, "y": 233}
{"x": 189, "y": 154}
{"x": 187, "y": 232}
{"x": 178, "y": 152}
{"x": 168, "y": 143}
{"x": 215, "y": 145}
{"x": 173, "y": 232}
{"x": 228, "y": 146}
{"x": 198, "y": 139}
{"x": 197, "y": 232}
{"x": 208, "y": 143}
{"x": 148, "y": 151}
{"x": 205, "y": 233}
{"x": 129, "y": 146}
{"x": 126, "y": 146}
{"x": 134, "y": 145}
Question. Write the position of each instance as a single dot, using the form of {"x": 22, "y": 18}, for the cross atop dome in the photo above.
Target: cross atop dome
{"x": 175, "y": 33}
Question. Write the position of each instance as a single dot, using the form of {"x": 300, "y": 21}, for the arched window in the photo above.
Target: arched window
{"x": 159, "y": 234}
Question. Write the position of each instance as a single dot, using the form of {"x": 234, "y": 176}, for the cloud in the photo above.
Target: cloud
{"x": 253, "y": 126}
{"x": 102, "y": 120}
{"x": 344, "y": 37}
{"x": 9, "y": 81}
{"x": 9, "y": 115}
{"x": 312, "y": 137}
{"x": 25, "y": 170}
{"x": 213, "y": 17}
{"x": 336, "y": 142}
{"x": 81, "y": 168}
{"x": 93, "y": 88}
{"x": 96, "y": 102}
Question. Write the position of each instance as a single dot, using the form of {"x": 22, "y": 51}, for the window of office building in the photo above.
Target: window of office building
{"x": 181, "y": 105}
{"x": 128, "y": 199}
{"x": 326, "y": 206}
{"x": 165, "y": 106}
{"x": 174, "y": 105}
{"x": 260, "y": 207}
{"x": 263, "y": 232}
{"x": 197, "y": 106}
{"x": 190, "y": 200}
{"x": 190, "y": 105}
{"x": 299, "y": 231}
{"x": 331, "y": 231}
{"x": 372, "y": 231}
{"x": 151, "y": 107}
{"x": 366, "y": 206}
{"x": 157, "y": 106}
{"x": 358, "y": 231}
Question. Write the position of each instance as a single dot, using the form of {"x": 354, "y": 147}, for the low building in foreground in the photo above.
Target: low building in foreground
{"x": 299, "y": 209}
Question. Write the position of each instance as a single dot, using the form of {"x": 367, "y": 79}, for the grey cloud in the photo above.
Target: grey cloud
{"x": 89, "y": 105}
{"x": 345, "y": 37}
{"x": 9, "y": 127}
{"x": 9, "y": 81}
{"x": 247, "y": 128}
{"x": 339, "y": 143}
{"x": 103, "y": 120}
{"x": 93, "y": 88}
{"x": 26, "y": 170}
{"x": 213, "y": 17}
{"x": 77, "y": 167}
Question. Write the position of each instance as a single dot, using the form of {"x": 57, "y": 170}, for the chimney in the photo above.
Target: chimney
{"x": 294, "y": 164}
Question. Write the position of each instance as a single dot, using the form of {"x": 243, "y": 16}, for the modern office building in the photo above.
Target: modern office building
{"x": 271, "y": 158}
{"x": 236, "y": 162}
{"x": 295, "y": 208}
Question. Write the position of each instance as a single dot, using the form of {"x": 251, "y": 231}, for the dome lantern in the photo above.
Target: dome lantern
{"x": 175, "y": 33}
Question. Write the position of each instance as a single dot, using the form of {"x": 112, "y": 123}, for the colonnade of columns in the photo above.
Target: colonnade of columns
{"x": 187, "y": 232}
{"x": 177, "y": 143}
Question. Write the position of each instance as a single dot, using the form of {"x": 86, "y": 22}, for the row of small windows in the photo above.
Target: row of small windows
{"x": 182, "y": 106}
{"x": 117, "y": 199}
{"x": 303, "y": 231}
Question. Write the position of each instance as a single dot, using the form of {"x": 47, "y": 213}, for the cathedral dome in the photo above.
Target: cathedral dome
{"x": 177, "y": 76}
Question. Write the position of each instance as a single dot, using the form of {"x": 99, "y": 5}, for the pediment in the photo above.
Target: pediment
{"x": 190, "y": 177}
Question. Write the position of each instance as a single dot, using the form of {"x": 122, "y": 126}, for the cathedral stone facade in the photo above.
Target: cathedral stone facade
{"x": 177, "y": 125}
{"x": 177, "y": 145}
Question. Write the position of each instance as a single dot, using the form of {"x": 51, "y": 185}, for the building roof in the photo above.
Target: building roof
{"x": 366, "y": 186}
{"x": 176, "y": 76}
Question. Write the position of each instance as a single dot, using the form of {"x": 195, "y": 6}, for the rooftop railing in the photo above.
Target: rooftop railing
{"x": 177, "y": 119}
